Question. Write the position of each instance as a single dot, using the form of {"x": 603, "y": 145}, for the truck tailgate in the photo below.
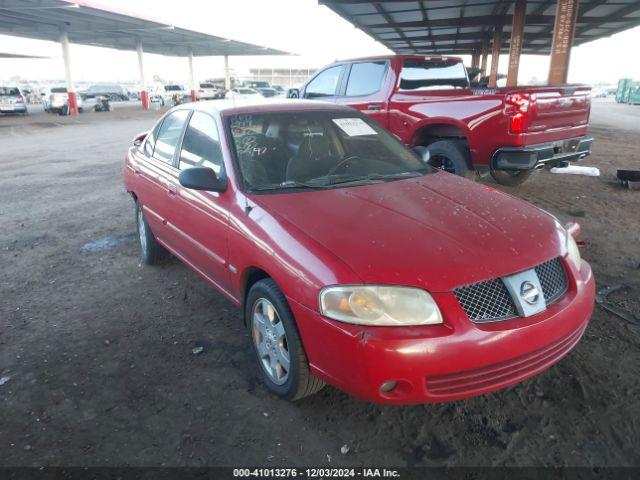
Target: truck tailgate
{"x": 558, "y": 108}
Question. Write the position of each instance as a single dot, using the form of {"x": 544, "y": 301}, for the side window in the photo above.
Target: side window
{"x": 150, "y": 143}
{"x": 325, "y": 84}
{"x": 169, "y": 135}
{"x": 201, "y": 144}
{"x": 365, "y": 78}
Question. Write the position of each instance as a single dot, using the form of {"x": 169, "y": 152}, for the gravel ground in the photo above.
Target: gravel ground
{"x": 96, "y": 362}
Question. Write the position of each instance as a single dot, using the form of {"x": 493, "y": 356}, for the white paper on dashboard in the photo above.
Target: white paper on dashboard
{"x": 354, "y": 127}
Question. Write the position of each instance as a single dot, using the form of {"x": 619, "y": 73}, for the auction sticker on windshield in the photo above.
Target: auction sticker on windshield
{"x": 354, "y": 127}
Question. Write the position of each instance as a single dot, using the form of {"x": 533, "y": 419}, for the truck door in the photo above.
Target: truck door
{"x": 363, "y": 89}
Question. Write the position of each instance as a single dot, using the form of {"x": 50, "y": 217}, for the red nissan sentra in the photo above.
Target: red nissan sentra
{"x": 355, "y": 262}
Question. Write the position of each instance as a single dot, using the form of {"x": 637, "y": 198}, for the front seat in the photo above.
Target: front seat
{"x": 314, "y": 159}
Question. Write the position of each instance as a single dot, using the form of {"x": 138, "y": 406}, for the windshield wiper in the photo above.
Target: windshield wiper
{"x": 372, "y": 177}
{"x": 286, "y": 185}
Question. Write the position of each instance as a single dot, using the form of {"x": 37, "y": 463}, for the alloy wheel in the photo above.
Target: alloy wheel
{"x": 270, "y": 341}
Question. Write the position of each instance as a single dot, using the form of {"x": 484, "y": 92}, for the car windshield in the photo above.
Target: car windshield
{"x": 171, "y": 88}
{"x": 246, "y": 91}
{"x": 59, "y": 90}
{"x": 282, "y": 151}
{"x": 206, "y": 85}
{"x": 9, "y": 91}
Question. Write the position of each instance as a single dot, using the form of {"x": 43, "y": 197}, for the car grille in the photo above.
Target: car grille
{"x": 489, "y": 301}
{"x": 502, "y": 374}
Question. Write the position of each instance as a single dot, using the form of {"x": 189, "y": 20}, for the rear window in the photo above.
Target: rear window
{"x": 432, "y": 75}
{"x": 172, "y": 88}
{"x": 59, "y": 90}
{"x": 9, "y": 91}
{"x": 206, "y": 85}
{"x": 245, "y": 91}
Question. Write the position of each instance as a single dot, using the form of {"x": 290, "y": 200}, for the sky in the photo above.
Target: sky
{"x": 313, "y": 32}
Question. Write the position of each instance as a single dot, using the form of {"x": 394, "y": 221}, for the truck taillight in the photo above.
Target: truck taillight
{"x": 519, "y": 106}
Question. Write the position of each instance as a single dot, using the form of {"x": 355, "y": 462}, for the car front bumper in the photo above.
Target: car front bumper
{"x": 456, "y": 360}
{"x": 536, "y": 156}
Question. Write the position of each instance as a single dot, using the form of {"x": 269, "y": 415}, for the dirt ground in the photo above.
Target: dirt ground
{"x": 96, "y": 362}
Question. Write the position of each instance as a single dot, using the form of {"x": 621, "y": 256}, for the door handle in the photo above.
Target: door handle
{"x": 172, "y": 189}
{"x": 374, "y": 106}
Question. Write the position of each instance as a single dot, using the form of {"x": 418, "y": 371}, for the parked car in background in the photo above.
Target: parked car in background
{"x": 429, "y": 102}
{"x": 112, "y": 91}
{"x": 174, "y": 92}
{"x": 243, "y": 93}
{"x": 355, "y": 262}
{"x": 256, "y": 84}
{"x": 280, "y": 89}
{"x": 59, "y": 101}
{"x": 267, "y": 92}
{"x": 12, "y": 100}
{"x": 208, "y": 91}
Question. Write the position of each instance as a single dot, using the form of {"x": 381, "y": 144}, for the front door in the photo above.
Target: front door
{"x": 201, "y": 219}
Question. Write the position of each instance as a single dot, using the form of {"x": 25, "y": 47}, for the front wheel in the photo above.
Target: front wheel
{"x": 276, "y": 343}
{"x": 511, "y": 178}
{"x": 450, "y": 156}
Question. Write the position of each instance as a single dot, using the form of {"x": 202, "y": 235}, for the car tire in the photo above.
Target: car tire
{"x": 511, "y": 178}
{"x": 276, "y": 343}
{"x": 151, "y": 252}
{"x": 450, "y": 156}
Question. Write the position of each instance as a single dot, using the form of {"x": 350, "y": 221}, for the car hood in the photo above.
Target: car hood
{"x": 437, "y": 232}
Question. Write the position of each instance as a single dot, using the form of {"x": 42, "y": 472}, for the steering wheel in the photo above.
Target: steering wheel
{"x": 342, "y": 162}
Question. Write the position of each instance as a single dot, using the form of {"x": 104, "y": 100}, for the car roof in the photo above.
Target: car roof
{"x": 232, "y": 107}
{"x": 404, "y": 57}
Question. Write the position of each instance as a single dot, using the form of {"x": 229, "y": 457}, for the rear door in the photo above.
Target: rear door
{"x": 364, "y": 90}
{"x": 201, "y": 219}
{"x": 159, "y": 176}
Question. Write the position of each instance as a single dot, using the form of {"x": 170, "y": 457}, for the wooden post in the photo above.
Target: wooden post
{"x": 475, "y": 59}
{"x": 563, "y": 31}
{"x": 485, "y": 55}
{"x": 515, "y": 46}
{"x": 495, "y": 57}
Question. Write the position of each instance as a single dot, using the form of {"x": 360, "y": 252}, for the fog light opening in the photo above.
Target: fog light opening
{"x": 388, "y": 386}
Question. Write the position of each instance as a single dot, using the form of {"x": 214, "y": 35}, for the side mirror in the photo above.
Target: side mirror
{"x": 202, "y": 178}
{"x": 422, "y": 153}
{"x": 293, "y": 93}
{"x": 139, "y": 138}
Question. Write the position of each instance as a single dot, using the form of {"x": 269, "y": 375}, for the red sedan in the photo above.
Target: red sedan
{"x": 356, "y": 263}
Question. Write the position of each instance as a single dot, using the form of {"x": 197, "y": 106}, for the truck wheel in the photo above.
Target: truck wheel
{"x": 510, "y": 178}
{"x": 276, "y": 343}
{"x": 450, "y": 156}
{"x": 151, "y": 252}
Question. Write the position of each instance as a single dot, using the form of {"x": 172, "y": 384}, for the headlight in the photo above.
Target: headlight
{"x": 379, "y": 305}
{"x": 573, "y": 252}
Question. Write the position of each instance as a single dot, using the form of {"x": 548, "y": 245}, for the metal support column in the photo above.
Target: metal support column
{"x": 515, "y": 46}
{"x": 144, "y": 95}
{"x": 227, "y": 73}
{"x": 484, "y": 57}
{"x": 71, "y": 95}
{"x": 192, "y": 78}
{"x": 563, "y": 32}
{"x": 495, "y": 57}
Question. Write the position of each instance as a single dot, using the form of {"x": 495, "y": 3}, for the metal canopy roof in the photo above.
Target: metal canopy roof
{"x": 89, "y": 23}
{"x": 460, "y": 26}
